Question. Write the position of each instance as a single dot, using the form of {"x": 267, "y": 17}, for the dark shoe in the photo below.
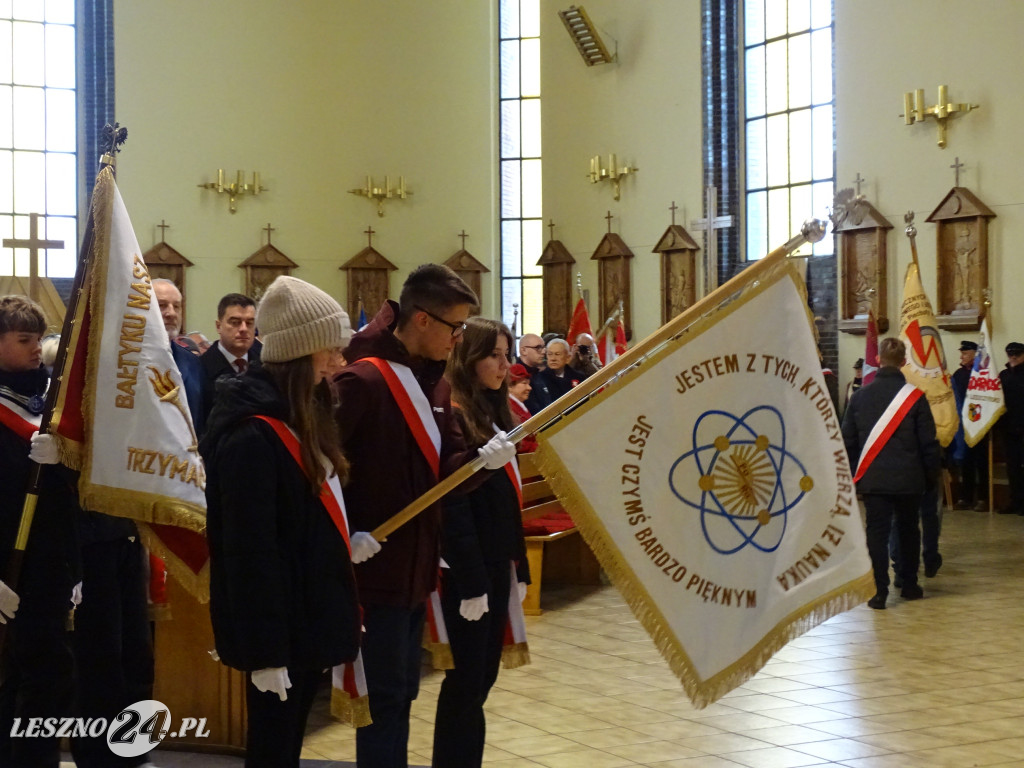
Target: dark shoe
{"x": 877, "y": 602}
{"x": 933, "y": 568}
{"x": 962, "y": 504}
{"x": 912, "y": 592}
{"x": 981, "y": 506}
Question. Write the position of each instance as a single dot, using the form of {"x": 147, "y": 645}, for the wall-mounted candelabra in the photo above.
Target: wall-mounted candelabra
{"x": 612, "y": 172}
{"x": 380, "y": 194}
{"x": 915, "y": 111}
{"x": 236, "y": 188}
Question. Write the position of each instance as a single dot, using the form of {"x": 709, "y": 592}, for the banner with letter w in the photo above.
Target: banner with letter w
{"x": 713, "y": 485}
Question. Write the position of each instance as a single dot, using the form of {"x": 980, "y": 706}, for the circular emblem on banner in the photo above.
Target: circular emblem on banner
{"x": 741, "y": 478}
{"x": 36, "y": 404}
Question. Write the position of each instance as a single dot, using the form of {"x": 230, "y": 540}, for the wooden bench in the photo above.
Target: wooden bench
{"x": 569, "y": 558}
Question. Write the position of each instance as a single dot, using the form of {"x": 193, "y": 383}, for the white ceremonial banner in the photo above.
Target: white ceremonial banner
{"x": 712, "y": 483}
{"x": 984, "y": 403}
{"x": 122, "y": 416}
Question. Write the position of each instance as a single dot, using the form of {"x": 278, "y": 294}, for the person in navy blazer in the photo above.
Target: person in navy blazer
{"x": 168, "y": 297}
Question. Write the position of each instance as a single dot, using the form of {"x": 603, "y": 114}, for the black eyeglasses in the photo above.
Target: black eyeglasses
{"x": 457, "y": 328}
{"x": 537, "y": 348}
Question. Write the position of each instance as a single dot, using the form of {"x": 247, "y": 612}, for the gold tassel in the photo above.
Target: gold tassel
{"x": 355, "y": 712}
{"x": 440, "y": 654}
{"x": 515, "y": 655}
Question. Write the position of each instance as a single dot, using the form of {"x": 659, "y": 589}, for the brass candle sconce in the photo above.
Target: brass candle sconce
{"x": 236, "y": 188}
{"x": 612, "y": 172}
{"x": 915, "y": 111}
{"x": 380, "y": 194}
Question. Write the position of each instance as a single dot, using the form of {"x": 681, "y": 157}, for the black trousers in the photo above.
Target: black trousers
{"x": 276, "y": 728}
{"x": 112, "y": 642}
{"x": 974, "y": 473}
{"x": 881, "y": 512}
{"x": 459, "y": 728}
{"x": 391, "y": 660}
{"x": 36, "y": 665}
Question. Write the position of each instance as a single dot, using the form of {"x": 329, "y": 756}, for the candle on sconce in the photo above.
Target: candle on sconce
{"x": 369, "y": 185}
{"x": 919, "y": 103}
{"x": 220, "y": 179}
{"x": 613, "y": 167}
{"x": 240, "y": 179}
{"x": 908, "y": 108}
{"x": 401, "y": 187}
{"x": 387, "y": 186}
{"x": 941, "y": 110}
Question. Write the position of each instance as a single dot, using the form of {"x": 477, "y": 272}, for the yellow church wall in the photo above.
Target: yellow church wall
{"x": 315, "y": 96}
{"x": 884, "y": 49}
{"x": 646, "y": 108}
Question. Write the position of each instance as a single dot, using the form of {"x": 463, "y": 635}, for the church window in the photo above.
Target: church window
{"x": 522, "y": 225}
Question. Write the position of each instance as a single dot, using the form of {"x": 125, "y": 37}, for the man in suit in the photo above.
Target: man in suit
{"x": 168, "y": 298}
{"x": 237, "y": 348}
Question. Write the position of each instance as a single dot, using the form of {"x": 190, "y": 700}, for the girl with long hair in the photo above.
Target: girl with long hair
{"x": 482, "y": 544}
{"x": 282, "y": 591}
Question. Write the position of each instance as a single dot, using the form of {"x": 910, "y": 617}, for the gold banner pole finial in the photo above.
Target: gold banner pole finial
{"x": 911, "y": 231}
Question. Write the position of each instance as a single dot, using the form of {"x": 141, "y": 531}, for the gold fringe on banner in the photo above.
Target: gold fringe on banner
{"x": 440, "y": 653}
{"x": 515, "y": 655}
{"x": 355, "y": 712}
{"x": 196, "y": 584}
{"x": 701, "y": 692}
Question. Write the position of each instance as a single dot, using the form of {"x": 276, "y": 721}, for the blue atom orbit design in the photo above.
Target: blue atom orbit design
{"x": 741, "y": 480}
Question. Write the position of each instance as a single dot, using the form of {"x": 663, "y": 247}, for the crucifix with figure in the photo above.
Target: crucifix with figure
{"x": 34, "y": 245}
{"x": 710, "y": 225}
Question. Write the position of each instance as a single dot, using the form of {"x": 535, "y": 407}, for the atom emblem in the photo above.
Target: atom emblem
{"x": 742, "y": 481}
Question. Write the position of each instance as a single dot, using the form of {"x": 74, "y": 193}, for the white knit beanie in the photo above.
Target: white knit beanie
{"x": 296, "y": 319}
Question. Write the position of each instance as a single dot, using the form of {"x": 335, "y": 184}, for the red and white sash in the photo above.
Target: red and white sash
{"x": 349, "y": 697}
{"x": 415, "y": 408}
{"x": 20, "y": 421}
{"x": 515, "y": 651}
{"x": 886, "y": 425}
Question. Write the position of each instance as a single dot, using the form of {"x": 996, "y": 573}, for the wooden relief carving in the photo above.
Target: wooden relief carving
{"x": 864, "y": 269}
{"x": 469, "y": 268}
{"x": 368, "y": 280}
{"x": 556, "y": 267}
{"x": 962, "y": 259}
{"x": 678, "y": 271}
{"x": 262, "y": 268}
{"x": 614, "y": 279}
{"x": 165, "y": 262}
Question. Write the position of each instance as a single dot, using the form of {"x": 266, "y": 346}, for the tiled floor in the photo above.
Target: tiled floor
{"x": 938, "y": 682}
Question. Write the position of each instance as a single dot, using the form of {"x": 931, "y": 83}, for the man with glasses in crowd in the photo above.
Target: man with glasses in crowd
{"x": 531, "y": 357}
{"x": 400, "y": 438}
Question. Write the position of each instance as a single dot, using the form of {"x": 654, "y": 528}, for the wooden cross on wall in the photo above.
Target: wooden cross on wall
{"x": 34, "y": 244}
{"x": 708, "y": 225}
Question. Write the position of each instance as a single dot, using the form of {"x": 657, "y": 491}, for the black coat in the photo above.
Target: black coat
{"x": 282, "y": 590}
{"x": 559, "y": 385}
{"x": 910, "y": 461}
{"x": 216, "y": 365}
{"x": 1012, "y": 379}
{"x": 480, "y": 529}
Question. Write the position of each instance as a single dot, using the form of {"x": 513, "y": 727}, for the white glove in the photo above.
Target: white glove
{"x": 274, "y": 680}
{"x": 9, "y": 601}
{"x": 522, "y": 590}
{"x": 473, "y": 608}
{"x": 498, "y": 451}
{"x": 76, "y": 594}
{"x": 364, "y": 546}
{"x": 43, "y": 449}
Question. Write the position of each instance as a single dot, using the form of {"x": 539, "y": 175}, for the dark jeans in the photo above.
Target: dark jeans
{"x": 391, "y": 660}
{"x": 276, "y": 728}
{"x": 459, "y": 728}
{"x": 881, "y": 512}
{"x": 974, "y": 473}
{"x": 112, "y": 642}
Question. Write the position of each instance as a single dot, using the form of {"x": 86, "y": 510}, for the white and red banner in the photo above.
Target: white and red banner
{"x": 926, "y": 360}
{"x": 870, "y": 351}
{"x": 712, "y": 483}
{"x": 984, "y": 403}
{"x": 613, "y": 343}
{"x": 121, "y": 416}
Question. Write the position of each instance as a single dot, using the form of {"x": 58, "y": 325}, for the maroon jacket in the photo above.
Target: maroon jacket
{"x": 388, "y": 470}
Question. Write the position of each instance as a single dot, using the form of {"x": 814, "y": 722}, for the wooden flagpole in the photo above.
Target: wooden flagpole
{"x": 812, "y": 231}
{"x": 115, "y": 138}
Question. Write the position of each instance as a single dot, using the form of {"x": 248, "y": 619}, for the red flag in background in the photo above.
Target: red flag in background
{"x": 870, "y": 351}
{"x": 580, "y": 323}
{"x": 612, "y": 346}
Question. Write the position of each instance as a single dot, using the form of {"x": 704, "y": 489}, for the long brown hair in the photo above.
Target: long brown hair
{"x": 310, "y": 415}
{"x": 479, "y": 411}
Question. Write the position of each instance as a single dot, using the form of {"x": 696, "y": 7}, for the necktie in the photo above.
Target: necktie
{"x": 241, "y": 364}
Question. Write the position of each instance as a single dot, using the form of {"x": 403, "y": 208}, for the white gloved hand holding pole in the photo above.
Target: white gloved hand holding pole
{"x": 473, "y": 608}
{"x": 9, "y": 602}
{"x": 364, "y": 546}
{"x": 498, "y": 451}
{"x": 43, "y": 449}
{"x": 273, "y": 680}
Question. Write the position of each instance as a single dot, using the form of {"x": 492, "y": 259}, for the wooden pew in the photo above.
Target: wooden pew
{"x": 569, "y": 558}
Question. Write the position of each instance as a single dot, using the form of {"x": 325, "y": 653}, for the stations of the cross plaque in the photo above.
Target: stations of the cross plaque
{"x": 34, "y": 245}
